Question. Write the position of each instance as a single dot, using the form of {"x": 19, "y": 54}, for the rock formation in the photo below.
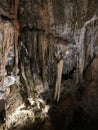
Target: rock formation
{"x": 49, "y": 64}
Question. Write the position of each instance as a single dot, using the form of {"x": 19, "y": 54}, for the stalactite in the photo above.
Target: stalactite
{"x": 35, "y": 45}
{"x": 58, "y": 80}
{"x": 44, "y": 47}
{"x": 35, "y": 52}
{"x": 40, "y": 49}
{"x": 82, "y": 54}
{"x": 51, "y": 59}
{"x": 14, "y": 7}
{"x": 85, "y": 6}
{"x": 46, "y": 56}
{"x": 8, "y": 35}
{"x": 16, "y": 34}
{"x": 1, "y": 47}
{"x": 89, "y": 52}
{"x": 13, "y": 15}
{"x": 45, "y": 18}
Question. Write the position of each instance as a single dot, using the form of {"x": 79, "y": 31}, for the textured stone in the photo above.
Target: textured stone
{"x": 91, "y": 73}
{"x": 40, "y": 25}
{"x": 16, "y": 114}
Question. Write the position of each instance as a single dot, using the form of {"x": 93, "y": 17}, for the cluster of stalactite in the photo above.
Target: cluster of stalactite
{"x": 39, "y": 37}
{"x": 7, "y": 36}
{"x": 38, "y": 64}
{"x": 88, "y": 43}
{"x": 9, "y": 30}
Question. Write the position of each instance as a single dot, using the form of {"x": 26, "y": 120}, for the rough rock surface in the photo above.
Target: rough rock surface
{"x": 57, "y": 43}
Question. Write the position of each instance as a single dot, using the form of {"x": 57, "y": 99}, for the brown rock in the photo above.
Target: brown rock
{"x": 90, "y": 101}
{"x": 91, "y": 73}
{"x": 16, "y": 113}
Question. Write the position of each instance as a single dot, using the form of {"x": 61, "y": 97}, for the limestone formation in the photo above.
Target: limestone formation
{"x": 49, "y": 64}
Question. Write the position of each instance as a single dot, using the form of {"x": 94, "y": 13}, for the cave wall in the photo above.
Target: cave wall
{"x": 45, "y": 32}
{"x": 44, "y": 24}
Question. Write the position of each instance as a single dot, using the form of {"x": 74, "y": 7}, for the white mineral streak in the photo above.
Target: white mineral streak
{"x": 38, "y": 102}
{"x": 45, "y": 110}
{"x": 80, "y": 37}
{"x": 8, "y": 81}
{"x": 20, "y": 116}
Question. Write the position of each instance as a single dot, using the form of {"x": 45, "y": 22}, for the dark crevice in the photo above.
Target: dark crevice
{"x": 2, "y": 111}
{"x": 68, "y": 76}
